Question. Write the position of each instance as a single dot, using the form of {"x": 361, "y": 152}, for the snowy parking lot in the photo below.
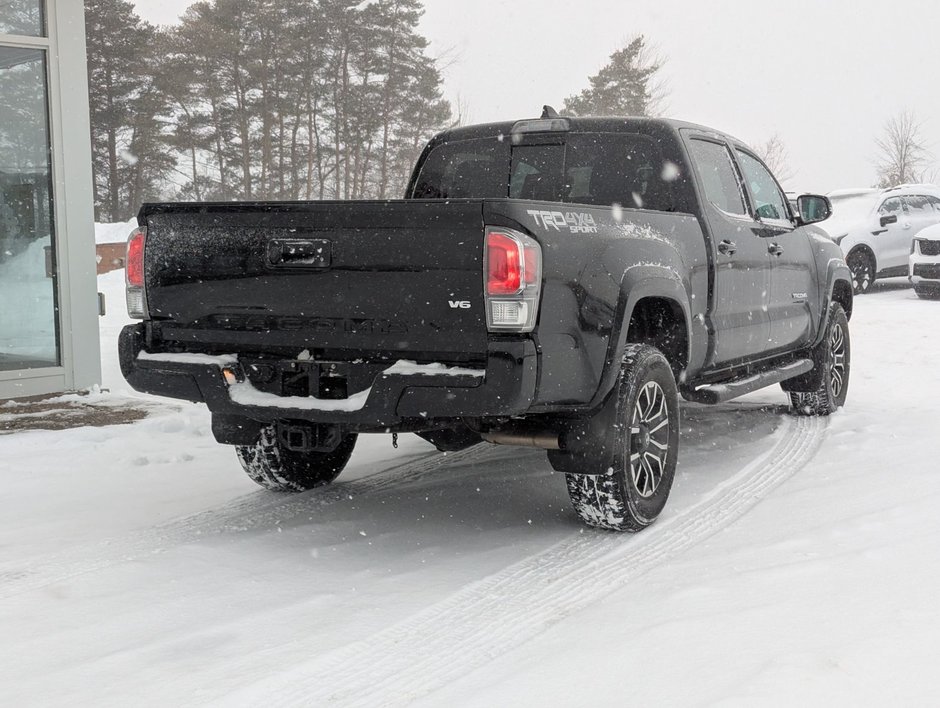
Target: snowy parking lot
{"x": 796, "y": 563}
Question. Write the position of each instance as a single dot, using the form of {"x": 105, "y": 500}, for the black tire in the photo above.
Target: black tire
{"x": 862, "y": 265}
{"x": 830, "y": 376}
{"x": 274, "y": 467}
{"x": 629, "y": 491}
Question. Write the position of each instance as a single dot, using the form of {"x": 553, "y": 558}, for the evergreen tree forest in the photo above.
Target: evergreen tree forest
{"x": 258, "y": 100}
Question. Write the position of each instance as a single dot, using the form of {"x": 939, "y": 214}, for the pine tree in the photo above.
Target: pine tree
{"x": 273, "y": 99}
{"x": 626, "y": 86}
{"x": 127, "y": 151}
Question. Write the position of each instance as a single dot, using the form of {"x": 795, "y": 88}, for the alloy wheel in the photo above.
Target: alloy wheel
{"x": 837, "y": 363}
{"x": 649, "y": 439}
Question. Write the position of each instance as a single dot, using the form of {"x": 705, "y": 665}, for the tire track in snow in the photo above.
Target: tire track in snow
{"x": 497, "y": 614}
{"x": 251, "y": 511}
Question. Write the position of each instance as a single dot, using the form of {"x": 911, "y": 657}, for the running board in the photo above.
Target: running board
{"x": 719, "y": 393}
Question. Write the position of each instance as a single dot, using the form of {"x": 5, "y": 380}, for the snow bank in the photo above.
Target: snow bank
{"x": 114, "y": 233}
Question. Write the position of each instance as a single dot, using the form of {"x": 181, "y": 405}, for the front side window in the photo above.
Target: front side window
{"x": 718, "y": 177}
{"x": 769, "y": 202}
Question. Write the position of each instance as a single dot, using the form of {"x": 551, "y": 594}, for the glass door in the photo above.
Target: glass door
{"x": 28, "y": 308}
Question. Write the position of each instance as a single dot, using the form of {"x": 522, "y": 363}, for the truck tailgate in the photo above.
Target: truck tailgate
{"x": 338, "y": 277}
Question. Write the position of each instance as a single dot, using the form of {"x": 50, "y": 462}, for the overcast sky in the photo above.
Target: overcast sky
{"x": 824, "y": 76}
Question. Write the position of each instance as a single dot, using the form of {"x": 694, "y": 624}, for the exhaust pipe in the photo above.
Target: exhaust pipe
{"x": 544, "y": 441}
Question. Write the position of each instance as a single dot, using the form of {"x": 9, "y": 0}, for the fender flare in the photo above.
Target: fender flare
{"x": 836, "y": 271}
{"x": 639, "y": 282}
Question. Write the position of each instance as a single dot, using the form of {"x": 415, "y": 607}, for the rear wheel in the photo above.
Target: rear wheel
{"x": 630, "y": 489}
{"x": 862, "y": 266}
{"x": 833, "y": 359}
{"x": 269, "y": 463}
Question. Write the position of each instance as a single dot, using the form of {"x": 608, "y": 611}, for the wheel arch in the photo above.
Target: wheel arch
{"x": 837, "y": 288}
{"x": 656, "y": 296}
{"x": 842, "y": 294}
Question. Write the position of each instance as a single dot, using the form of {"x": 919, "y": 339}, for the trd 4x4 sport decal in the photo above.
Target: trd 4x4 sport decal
{"x": 577, "y": 222}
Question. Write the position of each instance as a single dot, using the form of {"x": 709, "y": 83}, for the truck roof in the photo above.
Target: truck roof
{"x": 587, "y": 125}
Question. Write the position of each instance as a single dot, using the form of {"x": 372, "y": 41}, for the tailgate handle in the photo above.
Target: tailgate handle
{"x": 300, "y": 253}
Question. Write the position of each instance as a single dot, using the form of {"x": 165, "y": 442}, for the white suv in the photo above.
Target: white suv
{"x": 876, "y": 228}
{"x": 925, "y": 263}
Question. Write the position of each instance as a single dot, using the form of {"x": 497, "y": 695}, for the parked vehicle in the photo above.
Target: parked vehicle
{"x": 925, "y": 263}
{"x": 875, "y": 228}
{"x": 554, "y": 283}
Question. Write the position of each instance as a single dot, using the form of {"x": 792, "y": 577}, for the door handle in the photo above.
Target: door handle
{"x": 775, "y": 249}
{"x": 906, "y": 225}
{"x": 727, "y": 248}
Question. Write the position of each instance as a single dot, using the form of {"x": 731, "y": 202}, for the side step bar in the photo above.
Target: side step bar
{"x": 719, "y": 393}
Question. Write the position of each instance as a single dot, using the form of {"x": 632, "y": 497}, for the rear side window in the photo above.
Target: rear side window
{"x": 716, "y": 171}
{"x": 599, "y": 169}
{"x": 918, "y": 205}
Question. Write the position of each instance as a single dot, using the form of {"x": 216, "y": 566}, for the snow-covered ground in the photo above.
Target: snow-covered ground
{"x": 797, "y": 563}
{"x": 117, "y": 232}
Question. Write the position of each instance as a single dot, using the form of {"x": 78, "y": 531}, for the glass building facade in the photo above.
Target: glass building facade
{"x": 48, "y": 307}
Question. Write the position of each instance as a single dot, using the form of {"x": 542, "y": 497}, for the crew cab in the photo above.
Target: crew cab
{"x": 555, "y": 282}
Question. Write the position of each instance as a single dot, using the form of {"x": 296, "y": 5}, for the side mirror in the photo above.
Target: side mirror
{"x": 813, "y": 208}
{"x": 891, "y": 219}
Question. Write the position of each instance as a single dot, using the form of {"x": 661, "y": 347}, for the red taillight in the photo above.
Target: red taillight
{"x": 503, "y": 265}
{"x": 533, "y": 265}
{"x": 135, "y": 259}
{"x": 512, "y": 280}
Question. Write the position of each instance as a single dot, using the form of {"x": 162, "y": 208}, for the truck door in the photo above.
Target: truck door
{"x": 793, "y": 265}
{"x": 738, "y": 309}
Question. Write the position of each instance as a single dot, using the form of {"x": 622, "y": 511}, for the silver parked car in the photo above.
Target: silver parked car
{"x": 876, "y": 228}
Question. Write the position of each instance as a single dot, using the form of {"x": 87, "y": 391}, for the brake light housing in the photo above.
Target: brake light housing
{"x": 512, "y": 280}
{"x": 135, "y": 289}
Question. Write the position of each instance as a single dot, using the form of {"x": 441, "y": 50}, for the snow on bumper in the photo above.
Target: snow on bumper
{"x": 404, "y": 390}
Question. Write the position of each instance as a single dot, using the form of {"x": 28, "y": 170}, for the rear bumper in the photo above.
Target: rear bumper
{"x": 507, "y": 388}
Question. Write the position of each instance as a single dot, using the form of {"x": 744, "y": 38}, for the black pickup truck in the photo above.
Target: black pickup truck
{"x": 555, "y": 283}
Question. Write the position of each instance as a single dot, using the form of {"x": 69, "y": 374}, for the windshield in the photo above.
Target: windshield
{"x": 600, "y": 169}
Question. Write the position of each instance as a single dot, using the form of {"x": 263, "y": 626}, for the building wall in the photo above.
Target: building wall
{"x": 75, "y": 364}
{"x": 111, "y": 256}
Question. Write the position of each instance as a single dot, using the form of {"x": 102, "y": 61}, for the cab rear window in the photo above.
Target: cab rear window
{"x": 599, "y": 169}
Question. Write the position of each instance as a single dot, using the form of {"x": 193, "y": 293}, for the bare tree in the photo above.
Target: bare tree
{"x": 775, "y": 155}
{"x": 463, "y": 112}
{"x": 658, "y": 85}
{"x": 903, "y": 155}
